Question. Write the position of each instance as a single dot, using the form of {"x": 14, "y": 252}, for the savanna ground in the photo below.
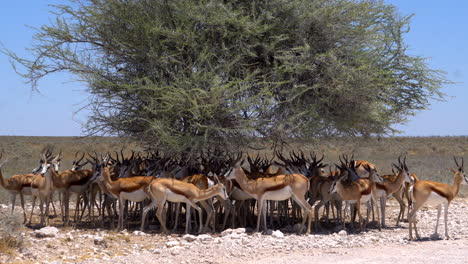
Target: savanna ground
{"x": 430, "y": 158}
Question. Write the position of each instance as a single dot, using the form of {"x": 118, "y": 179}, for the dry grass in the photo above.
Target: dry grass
{"x": 428, "y": 157}
{"x": 11, "y": 239}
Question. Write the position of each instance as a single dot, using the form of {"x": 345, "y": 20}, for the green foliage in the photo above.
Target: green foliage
{"x": 183, "y": 75}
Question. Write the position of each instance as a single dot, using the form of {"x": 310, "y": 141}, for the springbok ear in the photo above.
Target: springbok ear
{"x": 453, "y": 170}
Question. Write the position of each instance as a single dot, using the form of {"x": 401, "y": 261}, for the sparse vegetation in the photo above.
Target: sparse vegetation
{"x": 11, "y": 239}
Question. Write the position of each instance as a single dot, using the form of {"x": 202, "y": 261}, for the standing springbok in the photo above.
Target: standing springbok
{"x": 17, "y": 184}
{"x": 387, "y": 187}
{"x": 172, "y": 190}
{"x": 123, "y": 189}
{"x": 359, "y": 190}
{"x": 276, "y": 188}
{"x": 41, "y": 186}
{"x": 435, "y": 193}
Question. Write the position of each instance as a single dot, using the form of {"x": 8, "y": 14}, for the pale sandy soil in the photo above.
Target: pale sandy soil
{"x": 235, "y": 246}
{"x": 417, "y": 252}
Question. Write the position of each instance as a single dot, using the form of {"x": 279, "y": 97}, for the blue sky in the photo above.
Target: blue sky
{"x": 439, "y": 30}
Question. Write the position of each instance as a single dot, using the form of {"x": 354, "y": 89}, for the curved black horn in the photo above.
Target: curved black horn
{"x": 81, "y": 158}
{"x": 456, "y": 162}
{"x": 320, "y": 160}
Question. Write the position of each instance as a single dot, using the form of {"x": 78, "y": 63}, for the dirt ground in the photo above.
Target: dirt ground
{"x": 416, "y": 252}
{"x": 69, "y": 245}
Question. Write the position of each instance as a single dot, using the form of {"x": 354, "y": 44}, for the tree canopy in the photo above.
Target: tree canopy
{"x": 187, "y": 74}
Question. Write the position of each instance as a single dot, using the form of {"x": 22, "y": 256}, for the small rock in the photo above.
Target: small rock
{"x": 175, "y": 250}
{"x": 48, "y": 231}
{"x": 204, "y": 238}
{"x": 269, "y": 232}
{"x": 233, "y": 231}
{"x": 100, "y": 241}
{"x": 189, "y": 238}
{"x": 173, "y": 243}
{"x": 277, "y": 234}
{"x": 139, "y": 233}
{"x": 234, "y": 236}
{"x": 155, "y": 251}
{"x": 239, "y": 230}
{"x": 342, "y": 233}
{"x": 227, "y": 232}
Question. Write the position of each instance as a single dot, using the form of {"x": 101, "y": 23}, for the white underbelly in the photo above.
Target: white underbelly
{"x": 366, "y": 198}
{"x": 174, "y": 197}
{"x": 135, "y": 196}
{"x": 435, "y": 199}
{"x": 278, "y": 195}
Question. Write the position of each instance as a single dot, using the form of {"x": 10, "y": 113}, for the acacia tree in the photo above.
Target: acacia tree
{"x": 188, "y": 74}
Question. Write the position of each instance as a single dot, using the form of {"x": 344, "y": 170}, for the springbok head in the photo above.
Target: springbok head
{"x": 460, "y": 170}
{"x": 76, "y": 165}
{"x": 403, "y": 168}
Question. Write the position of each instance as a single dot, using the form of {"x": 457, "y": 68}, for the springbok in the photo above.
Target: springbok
{"x": 358, "y": 190}
{"x": 276, "y": 188}
{"x": 387, "y": 187}
{"x": 438, "y": 194}
{"x": 41, "y": 186}
{"x": 123, "y": 189}
{"x": 17, "y": 184}
{"x": 172, "y": 190}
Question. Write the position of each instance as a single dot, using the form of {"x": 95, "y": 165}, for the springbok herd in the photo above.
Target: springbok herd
{"x": 223, "y": 192}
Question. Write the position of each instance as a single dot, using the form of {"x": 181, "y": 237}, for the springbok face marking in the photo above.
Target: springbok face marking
{"x": 408, "y": 178}
{"x": 56, "y": 165}
{"x": 74, "y": 167}
{"x": 224, "y": 194}
{"x": 334, "y": 186}
{"x": 460, "y": 170}
{"x": 230, "y": 175}
{"x": 45, "y": 168}
{"x": 465, "y": 182}
{"x": 96, "y": 174}
{"x": 38, "y": 169}
{"x": 377, "y": 177}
